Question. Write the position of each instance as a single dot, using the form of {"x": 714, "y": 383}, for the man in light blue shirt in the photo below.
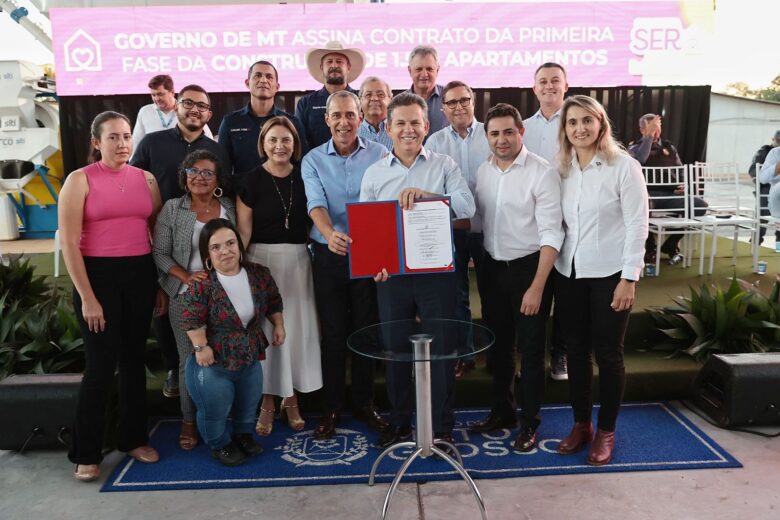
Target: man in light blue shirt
{"x": 332, "y": 174}
{"x": 464, "y": 140}
{"x": 411, "y": 172}
{"x": 424, "y": 69}
{"x": 375, "y": 96}
{"x": 541, "y": 138}
{"x": 541, "y": 129}
{"x": 770, "y": 174}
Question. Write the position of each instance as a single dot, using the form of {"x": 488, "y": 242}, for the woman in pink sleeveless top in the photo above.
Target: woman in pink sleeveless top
{"x": 106, "y": 211}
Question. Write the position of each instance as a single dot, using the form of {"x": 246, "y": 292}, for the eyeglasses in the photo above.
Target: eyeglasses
{"x": 452, "y": 103}
{"x": 188, "y": 104}
{"x": 378, "y": 95}
{"x": 194, "y": 172}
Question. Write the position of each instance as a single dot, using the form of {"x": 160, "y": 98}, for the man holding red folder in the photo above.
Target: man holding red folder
{"x": 411, "y": 172}
{"x": 332, "y": 174}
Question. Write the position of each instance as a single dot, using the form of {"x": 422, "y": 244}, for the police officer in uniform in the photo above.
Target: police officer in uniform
{"x": 650, "y": 150}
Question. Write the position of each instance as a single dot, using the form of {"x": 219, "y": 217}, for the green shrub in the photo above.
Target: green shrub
{"x": 714, "y": 321}
{"x": 38, "y": 331}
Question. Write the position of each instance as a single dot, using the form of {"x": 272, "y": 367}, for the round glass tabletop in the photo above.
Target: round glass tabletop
{"x": 394, "y": 340}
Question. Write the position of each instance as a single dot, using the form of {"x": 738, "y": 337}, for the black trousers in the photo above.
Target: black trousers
{"x": 506, "y": 283}
{"x": 429, "y": 296}
{"x": 125, "y": 288}
{"x": 592, "y": 326}
{"x": 166, "y": 341}
{"x": 344, "y": 306}
{"x": 468, "y": 245}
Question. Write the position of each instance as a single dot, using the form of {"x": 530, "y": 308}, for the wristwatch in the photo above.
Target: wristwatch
{"x": 199, "y": 348}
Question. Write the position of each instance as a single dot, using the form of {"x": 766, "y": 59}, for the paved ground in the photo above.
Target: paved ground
{"x": 39, "y": 485}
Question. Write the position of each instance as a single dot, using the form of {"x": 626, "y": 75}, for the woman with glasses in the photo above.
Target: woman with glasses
{"x": 273, "y": 221}
{"x": 223, "y": 315}
{"x": 176, "y": 255}
{"x": 106, "y": 211}
{"x": 604, "y": 202}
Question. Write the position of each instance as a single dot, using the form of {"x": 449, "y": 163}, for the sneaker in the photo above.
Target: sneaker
{"x": 171, "y": 385}
{"x": 676, "y": 259}
{"x": 230, "y": 454}
{"x": 559, "y": 369}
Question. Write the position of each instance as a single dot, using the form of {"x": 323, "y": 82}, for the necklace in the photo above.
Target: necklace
{"x": 206, "y": 206}
{"x": 114, "y": 173}
{"x": 286, "y": 207}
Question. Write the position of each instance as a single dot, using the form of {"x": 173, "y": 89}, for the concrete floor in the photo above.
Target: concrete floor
{"x": 39, "y": 485}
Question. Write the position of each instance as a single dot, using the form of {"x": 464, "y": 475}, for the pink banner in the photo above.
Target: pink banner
{"x": 101, "y": 51}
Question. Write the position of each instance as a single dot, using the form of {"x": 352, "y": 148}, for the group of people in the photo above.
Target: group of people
{"x": 240, "y": 245}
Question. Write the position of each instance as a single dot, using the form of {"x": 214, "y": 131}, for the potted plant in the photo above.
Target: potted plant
{"x": 713, "y": 321}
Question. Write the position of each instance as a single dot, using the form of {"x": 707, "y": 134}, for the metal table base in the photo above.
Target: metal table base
{"x": 425, "y": 445}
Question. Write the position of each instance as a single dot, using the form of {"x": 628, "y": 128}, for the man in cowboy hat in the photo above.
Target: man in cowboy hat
{"x": 336, "y": 67}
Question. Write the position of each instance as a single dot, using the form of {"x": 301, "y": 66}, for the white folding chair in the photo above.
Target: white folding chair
{"x": 729, "y": 208}
{"x": 671, "y": 211}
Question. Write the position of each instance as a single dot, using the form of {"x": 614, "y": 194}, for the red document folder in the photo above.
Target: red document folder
{"x": 376, "y": 230}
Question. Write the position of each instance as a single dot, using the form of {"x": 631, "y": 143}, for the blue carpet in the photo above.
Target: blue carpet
{"x": 650, "y": 436}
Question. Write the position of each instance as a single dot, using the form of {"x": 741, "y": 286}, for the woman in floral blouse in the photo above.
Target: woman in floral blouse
{"x": 223, "y": 317}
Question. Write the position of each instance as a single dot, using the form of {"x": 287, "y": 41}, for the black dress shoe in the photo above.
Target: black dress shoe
{"x": 446, "y": 448}
{"x": 229, "y": 455}
{"x": 247, "y": 444}
{"x": 171, "y": 385}
{"x": 327, "y": 426}
{"x": 525, "y": 440}
{"x": 371, "y": 417}
{"x": 394, "y": 434}
{"x": 492, "y": 423}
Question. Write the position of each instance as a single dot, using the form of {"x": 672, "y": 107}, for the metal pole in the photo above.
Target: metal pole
{"x": 422, "y": 384}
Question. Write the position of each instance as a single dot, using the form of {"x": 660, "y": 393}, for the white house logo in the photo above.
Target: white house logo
{"x": 82, "y": 53}
{"x": 345, "y": 447}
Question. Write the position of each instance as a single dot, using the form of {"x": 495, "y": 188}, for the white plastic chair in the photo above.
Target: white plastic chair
{"x": 719, "y": 183}
{"x": 678, "y": 221}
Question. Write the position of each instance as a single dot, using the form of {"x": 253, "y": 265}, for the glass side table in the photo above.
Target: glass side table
{"x": 422, "y": 342}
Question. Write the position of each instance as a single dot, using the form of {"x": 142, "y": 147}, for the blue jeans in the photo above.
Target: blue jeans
{"x": 216, "y": 391}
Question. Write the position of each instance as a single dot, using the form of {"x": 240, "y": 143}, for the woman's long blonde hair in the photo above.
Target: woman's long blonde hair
{"x": 606, "y": 145}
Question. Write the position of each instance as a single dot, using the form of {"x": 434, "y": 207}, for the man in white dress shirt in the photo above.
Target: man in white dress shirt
{"x": 464, "y": 140}
{"x": 519, "y": 199}
{"x": 411, "y": 172}
{"x": 161, "y": 114}
{"x": 541, "y": 138}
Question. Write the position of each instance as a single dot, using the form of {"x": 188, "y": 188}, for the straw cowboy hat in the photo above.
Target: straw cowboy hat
{"x": 357, "y": 60}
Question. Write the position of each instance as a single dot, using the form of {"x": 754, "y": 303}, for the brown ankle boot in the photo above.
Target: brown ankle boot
{"x": 601, "y": 450}
{"x": 580, "y": 435}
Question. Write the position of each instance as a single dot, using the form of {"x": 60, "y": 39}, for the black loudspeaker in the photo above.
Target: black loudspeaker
{"x": 740, "y": 389}
{"x": 36, "y": 411}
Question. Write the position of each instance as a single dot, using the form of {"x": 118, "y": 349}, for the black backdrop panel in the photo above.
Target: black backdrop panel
{"x": 686, "y": 113}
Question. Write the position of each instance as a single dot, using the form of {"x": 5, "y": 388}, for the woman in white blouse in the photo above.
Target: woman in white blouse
{"x": 604, "y": 203}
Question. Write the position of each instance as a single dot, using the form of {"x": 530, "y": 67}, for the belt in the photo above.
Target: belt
{"x": 516, "y": 261}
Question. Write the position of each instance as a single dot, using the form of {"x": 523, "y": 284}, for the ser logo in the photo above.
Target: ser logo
{"x": 345, "y": 447}
{"x": 82, "y": 53}
{"x": 650, "y": 35}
